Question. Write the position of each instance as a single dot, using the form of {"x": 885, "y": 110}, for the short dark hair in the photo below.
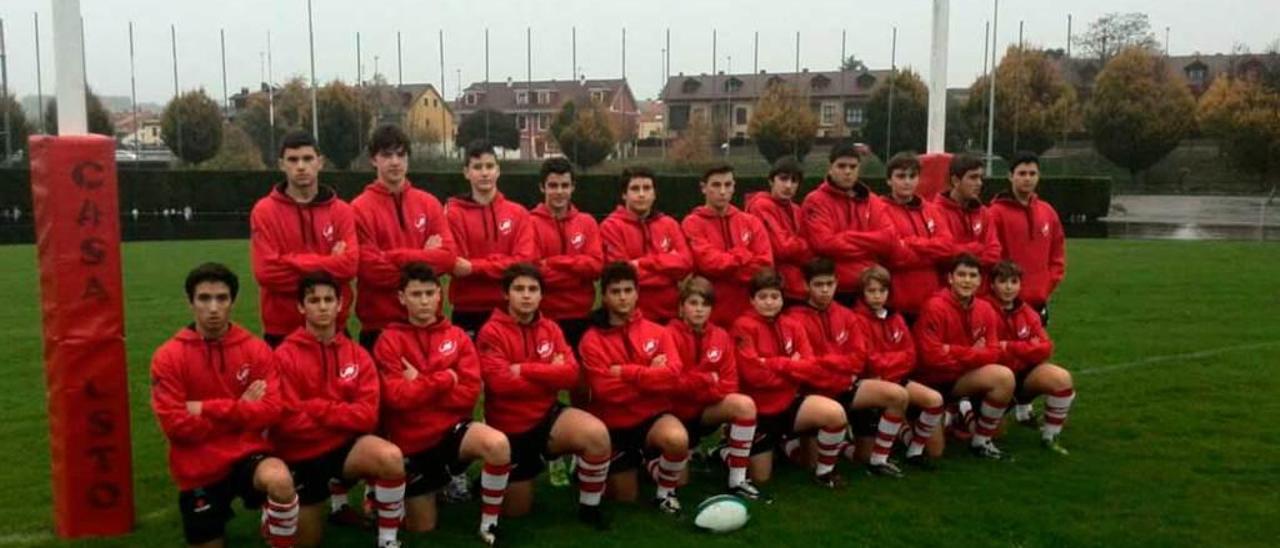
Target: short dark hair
{"x": 211, "y": 272}
{"x": 819, "y": 266}
{"x": 874, "y": 273}
{"x": 311, "y": 280}
{"x": 417, "y": 271}
{"x": 716, "y": 169}
{"x": 634, "y": 172}
{"x": 617, "y": 271}
{"x": 297, "y": 139}
{"x": 476, "y": 149}
{"x": 965, "y": 259}
{"x": 520, "y": 270}
{"x": 1006, "y": 270}
{"x": 903, "y": 160}
{"x": 964, "y": 163}
{"x": 786, "y": 165}
{"x": 557, "y": 165}
{"x": 844, "y": 149}
{"x": 1024, "y": 157}
{"x": 699, "y": 286}
{"x": 765, "y": 278}
{"x": 389, "y": 138}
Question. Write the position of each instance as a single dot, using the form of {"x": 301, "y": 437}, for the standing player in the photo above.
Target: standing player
{"x": 728, "y": 246}
{"x": 526, "y": 362}
{"x": 650, "y": 241}
{"x": 1027, "y": 349}
{"x": 569, "y": 246}
{"x": 491, "y": 233}
{"x": 300, "y": 227}
{"x": 708, "y": 395}
{"x": 844, "y": 220}
{"x": 775, "y": 361}
{"x": 959, "y": 353}
{"x": 214, "y": 392}
{"x": 780, "y": 215}
{"x": 633, "y": 369}
{"x": 430, "y": 382}
{"x": 927, "y": 246}
{"x": 330, "y": 390}
{"x": 961, "y": 210}
{"x": 1030, "y": 234}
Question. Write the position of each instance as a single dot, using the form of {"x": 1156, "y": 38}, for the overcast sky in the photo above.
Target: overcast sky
{"x": 1201, "y": 25}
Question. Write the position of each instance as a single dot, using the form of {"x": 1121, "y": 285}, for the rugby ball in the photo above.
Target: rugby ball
{"x": 721, "y": 514}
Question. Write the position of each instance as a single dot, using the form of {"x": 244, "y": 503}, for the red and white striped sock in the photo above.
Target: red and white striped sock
{"x": 337, "y": 495}
{"x": 667, "y": 472}
{"x": 1056, "y": 407}
{"x": 829, "y": 440}
{"x": 592, "y": 472}
{"x": 388, "y": 502}
{"x": 741, "y": 432}
{"x": 849, "y": 450}
{"x": 280, "y": 522}
{"x": 791, "y": 448}
{"x": 493, "y": 488}
{"x": 989, "y": 416}
{"x": 925, "y": 425}
{"x": 888, "y": 432}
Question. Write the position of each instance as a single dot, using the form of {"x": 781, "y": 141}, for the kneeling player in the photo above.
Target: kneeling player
{"x": 959, "y": 354}
{"x": 430, "y": 382}
{"x": 1027, "y": 349}
{"x": 774, "y": 360}
{"x": 214, "y": 390}
{"x": 633, "y": 369}
{"x": 708, "y": 396}
{"x": 526, "y": 362}
{"x": 330, "y": 390}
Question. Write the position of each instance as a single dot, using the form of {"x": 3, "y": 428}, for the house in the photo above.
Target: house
{"x": 653, "y": 120}
{"x": 143, "y": 131}
{"x": 1199, "y": 70}
{"x": 839, "y": 98}
{"x": 419, "y": 109}
{"x": 535, "y": 105}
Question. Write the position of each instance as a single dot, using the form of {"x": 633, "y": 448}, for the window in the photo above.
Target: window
{"x": 520, "y": 122}
{"x": 544, "y": 122}
{"x": 522, "y": 97}
{"x": 852, "y": 115}
{"x": 471, "y": 99}
{"x": 544, "y": 97}
{"x": 1196, "y": 75}
{"x": 690, "y": 85}
{"x": 740, "y": 116}
{"x": 828, "y": 114}
{"x": 679, "y": 116}
{"x": 597, "y": 96}
{"x": 820, "y": 82}
{"x": 733, "y": 85}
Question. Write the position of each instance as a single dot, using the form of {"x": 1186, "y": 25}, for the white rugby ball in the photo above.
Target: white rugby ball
{"x": 721, "y": 514}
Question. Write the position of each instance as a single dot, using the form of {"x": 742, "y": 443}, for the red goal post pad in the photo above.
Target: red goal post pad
{"x": 935, "y": 169}
{"x": 76, "y": 205}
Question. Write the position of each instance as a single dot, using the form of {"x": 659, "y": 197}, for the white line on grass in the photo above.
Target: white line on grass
{"x": 27, "y": 539}
{"x": 1175, "y": 357}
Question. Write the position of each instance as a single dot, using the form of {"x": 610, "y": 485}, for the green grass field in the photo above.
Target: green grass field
{"x": 1175, "y": 436}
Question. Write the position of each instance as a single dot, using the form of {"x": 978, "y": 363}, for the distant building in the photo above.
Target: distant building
{"x": 143, "y": 131}
{"x": 653, "y": 120}
{"x": 1199, "y": 70}
{"x": 420, "y": 110}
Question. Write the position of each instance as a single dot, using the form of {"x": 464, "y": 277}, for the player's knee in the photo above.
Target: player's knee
{"x": 596, "y": 439}
{"x": 672, "y": 440}
{"x": 496, "y": 448}
{"x": 1061, "y": 378}
{"x": 899, "y": 398}
{"x": 391, "y": 462}
{"x": 274, "y": 476}
{"x": 931, "y": 398}
{"x": 831, "y": 414}
{"x": 740, "y": 406}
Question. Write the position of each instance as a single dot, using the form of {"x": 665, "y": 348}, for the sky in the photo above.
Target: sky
{"x": 1194, "y": 26}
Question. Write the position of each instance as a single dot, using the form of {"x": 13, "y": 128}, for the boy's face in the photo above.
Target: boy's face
{"x": 640, "y": 195}
{"x": 620, "y": 297}
{"x": 822, "y": 289}
{"x": 718, "y": 190}
{"x": 1024, "y": 178}
{"x": 211, "y": 305}
{"x": 320, "y": 307}
{"x": 482, "y": 172}
{"x": 844, "y": 172}
{"x": 969, "y": 187}
{"x": 557, "y": 190}
{"x": 783, "y": 186}
{"x": 964, "y": 281}
{"x": 525, "y": 295}
{"x": 1007, "y": 289}
{"x": 695, "y": 310}
{"x": 300, "y": 166}
{"x": 903, "y": 182}
{"x": 421, "y": 300}
{"x": 391, "y": 165}
{"x": 875, "y": 294}
{"x": 767, "y": 302}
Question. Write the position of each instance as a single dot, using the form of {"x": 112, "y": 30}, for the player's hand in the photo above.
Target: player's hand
{"x": 795, "y": 357}
{"x": 980, "y": 343}
{"x": 256, "y": 391}
{"x": 462, "y": 268}
{"x": 434, "y": 242}
{"x": 558, "y": 359}
{"x": 1035, "y": 340}
{"x": 194, "y": 408}
{"x": 339, "y": 248}
{"x": 410, "y": 372}
{"x": 453, "y": 374}
{"x": 515, "y": 369}
{"x": 715, "y": 378}
{"x": 1004, "y": 345}
{"x": 615, "y": 370}
{"x": 946, "y": 349}
{"x": 635, "y": 263}
{"x": 659, "y": 360}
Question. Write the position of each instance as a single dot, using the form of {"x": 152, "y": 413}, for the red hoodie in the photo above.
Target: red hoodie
{"x": 516, "y": 403}
{"x": 1031, "y": 236}
{"x": 971, "y": 228}
{"x": 288, "y": 240}
{"x": 642, "y": 389}
{"x": 702, "y": 354}
{"x": 330, "y": 395}
{"x": 728, "y": 249}
{"x": 837, "y": 340}
{"x": 393, "y": 229}
{"x": 1026, "y": 342}
{"x": 927, "y": 247}
{"x": 492, "y": 237}
{"x": 853, "y": 229}
{"x": 947, "y": 332}
{"x": 662, "y": 257}
{"x": 571, "y": 261}
{"x": 767, "y": 372}
{"x": 416, "y": 414}
{"x": 202, "y": 448}
{"x": 891, "y": 350}
{"x": 781, "y": 219}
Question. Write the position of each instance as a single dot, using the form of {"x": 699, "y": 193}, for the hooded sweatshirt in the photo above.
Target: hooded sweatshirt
{"x": 702, "y": 354}
{"x": 1031, "y": 236}
{"x": 927, "y": 247}
{"x": 1026, "y": 342}
{"x": 837, "y": 340}
{"x": 570, "y": 261}
{"x": 642, "y": 388}
{"x": 971, "y": 227}
{"x": 492, "y": 236}
{"x": 416, "y": 414}
{"x": 766, "y": 368}
{"x": 850, "y": 227}
{"x": 515, "y": 403}
{"x": 330, "y": 395}
{"x": 891, "y": 351}
{"x": 728, "y": 249}
{"x": 947, "y": 333}
{"x": 781, "y": 220}
{"x": 662, "y": 255}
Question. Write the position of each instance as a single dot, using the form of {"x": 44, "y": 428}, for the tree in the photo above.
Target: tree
{"x": 1114, "y": 32}
{"x": 1244, "y": 115}
{"x": 693, "y": 146}
{"x": 783, "y": 124}
{"x": 191, "y": 127}
{"x": 291, "y": 104}
{"x": 99, "y": 118}
{"x": 584, "y": 134}
{"x": 1140, "y": 110}
{"x": 910, "y": 114}
{"x": 1034, "y": 105}
{"x": 343, "y": 120}
{"x": 498, "y": 128}
{"x": 238, "y": 152}
{"x": 19, "y": 127}
{"x": 852, "y": 63}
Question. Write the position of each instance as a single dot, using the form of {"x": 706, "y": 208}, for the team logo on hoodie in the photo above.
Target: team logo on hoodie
{"x": 665, "y": 244}
{"x": 1023, "y": 331}
{"x": 746, "y": 237}
{"x": 787, "y": 347}
{"x": 895, "y": 336}
{"x": 714, "y": 354}
{"x": 447, "y": 347}
{"x": 348, "y": 371}
{"x": 328, "y": 232}
{"x": 242, "y": 376}
{"x": 977, "y": 227}
{"x": 928, "y": 225}
{"x": 979, "y": 332}
{"x": 1044, "y": 230}
{"x": 577, "y": 240}
{"x": 545, "y": 348}
{"x": 650, "y": 346}
{"x": 842, "y": 336}
{"x": 421, "y": 223}
{"x": 504, "y": 226}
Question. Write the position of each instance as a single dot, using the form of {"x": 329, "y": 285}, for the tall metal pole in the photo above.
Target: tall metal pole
{"x": 360, "y": 94}
{"x": 1166, "y": 41}
{"x": 755, "y": 57}
{"x": 938, "y": 77}
{"x": 1068, "y": 36}
{"x": 986, "y": 58}
{"x": 173, "y": 43}
{"x": 574, "y": 55}
{"x": 486, "y": 84}
{"x": 1017, "y": 97}
{"x": 133, "y": 98}
{"x": 624, "y": 53}
{"x": 444, "y": 137}
{"x": 528, "y": 109}
{"x": 991, "y": 79}
{"x": 893, "y": 72}
{"x": 359, "y": 62}
{"x": 399, "y": 61}
{"x": 714, "y": 89}
{"x": 39, "y": 76}
{"x": 797, "y": 52}
{"x": 315, "y": 108}
{"x": 4, "y": 89}
{"x": 271, "y": 100}
{"x": 226, "y": 100}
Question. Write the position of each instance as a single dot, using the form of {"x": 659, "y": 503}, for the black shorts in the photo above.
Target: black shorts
{"x": 629, "y": 450}
{"x": 529, "y": 453}
{"x": 772, "y": 430}
{"x": 311, "y": 477}
{"x": 863, "y": 422}
{"x": 697, "y": 430}
{"x": 429, "y": 471}
{"x": 206, "y": 510}
{"x": 1044, "y": 315}
{"x": 369, "y": 338}
{"x": 470, "y": 321}
{"x": 1020, "y": 393}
